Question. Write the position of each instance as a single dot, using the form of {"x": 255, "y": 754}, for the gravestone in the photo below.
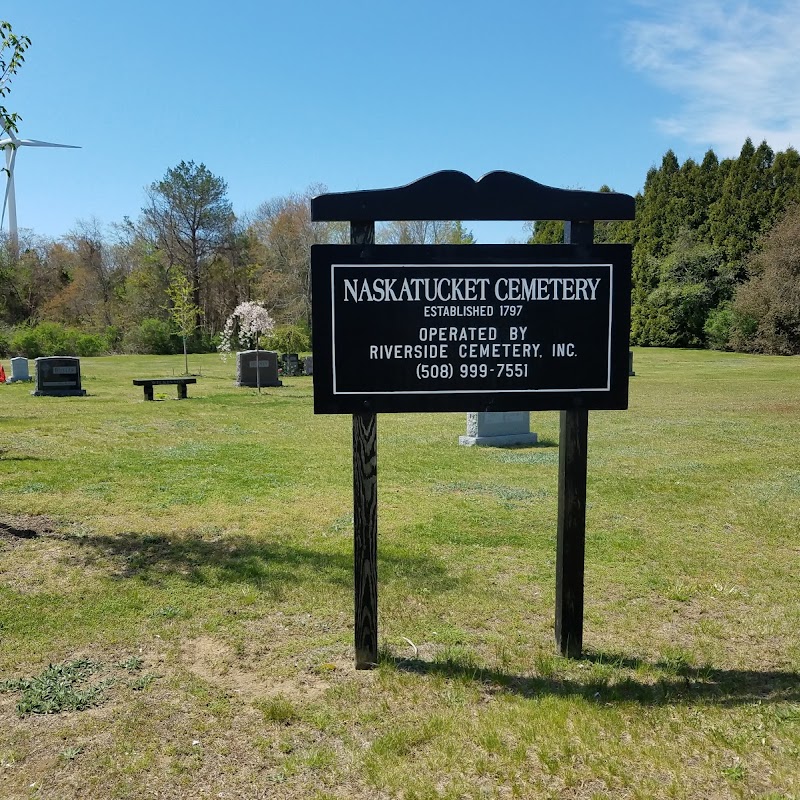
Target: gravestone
{"x": 291, "y": 364}
{"x": 631, "y": 373}
{"x": 498, "y": 429}
{"x": 308, "y": 365}
{"x": 248, "y": 370}
{"x": 19, "y": 370}
{"x": 58, "y": 376}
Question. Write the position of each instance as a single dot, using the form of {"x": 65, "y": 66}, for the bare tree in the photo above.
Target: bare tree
{"x": 89, "y": 244}
{"x": 32, "y": 271}
{"x": 423, "y": 232}
{"x": 285, "y": 233}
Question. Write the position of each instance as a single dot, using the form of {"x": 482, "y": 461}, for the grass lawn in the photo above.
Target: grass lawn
{"x": 176, "y": 595}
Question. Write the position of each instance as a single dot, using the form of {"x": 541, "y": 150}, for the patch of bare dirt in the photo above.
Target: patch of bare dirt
{"x": 781, "y": 408}
{"x": 215, "y": 662}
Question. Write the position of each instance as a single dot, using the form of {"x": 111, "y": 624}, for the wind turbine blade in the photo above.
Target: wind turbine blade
{"x": 38, "y": 143}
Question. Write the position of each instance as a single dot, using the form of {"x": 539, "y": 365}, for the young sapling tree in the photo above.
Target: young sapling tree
{"x": 183, "y": 311}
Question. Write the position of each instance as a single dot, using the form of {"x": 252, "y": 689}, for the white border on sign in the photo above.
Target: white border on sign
{"x": 606, "y": 388}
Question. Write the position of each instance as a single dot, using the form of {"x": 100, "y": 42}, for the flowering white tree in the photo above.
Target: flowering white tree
{"x": 244, "y": 326}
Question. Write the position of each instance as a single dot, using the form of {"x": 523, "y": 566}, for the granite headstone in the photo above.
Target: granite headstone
{"x": 308, "y": 365}
{"x": 254, "y": 364}
{"x": 291, "y": 364}
{"x": 19, "y": 370}
{"x": 58, "y": 376}
{"x": 498, "y": 429}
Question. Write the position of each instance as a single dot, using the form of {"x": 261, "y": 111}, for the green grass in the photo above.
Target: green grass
{"x": 199, "y": 553}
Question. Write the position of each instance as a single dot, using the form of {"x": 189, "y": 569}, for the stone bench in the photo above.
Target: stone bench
{"x": 149, "y": 383}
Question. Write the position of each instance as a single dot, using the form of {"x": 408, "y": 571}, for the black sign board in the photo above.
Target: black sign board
{"x": 402, "y": 328}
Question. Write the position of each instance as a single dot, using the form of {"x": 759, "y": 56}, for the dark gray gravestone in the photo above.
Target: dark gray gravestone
{"x": 291, "y": 364}
{"x": 308, "y": 365}
{"x": 58, "y": 376}
{"x": 19, "y": 370}
{"x": 252, "y": 364}
{"x": 498, "y": 429}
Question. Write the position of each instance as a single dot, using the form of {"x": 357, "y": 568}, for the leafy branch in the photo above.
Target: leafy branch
{"x": 12, "y": 56}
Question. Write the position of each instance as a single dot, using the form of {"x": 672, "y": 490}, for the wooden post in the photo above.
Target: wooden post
{"x": 572, "y": 468}
{"x": 365, "y": 512}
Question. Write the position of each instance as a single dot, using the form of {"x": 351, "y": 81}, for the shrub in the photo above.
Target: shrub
{"x": 288, "y": 339}
{"x": 202, "y": 342}
{"x": 743, "y": 330}
{"x": 718, "y": 328}
{"x": 5, "y": 343}
{"x": 767, "y": 307}
{"x": 25, "y": 343}
{"x": 55, "y": 339}
{"x": 113, "y": 336}
{"x": 676, "y": 314}
{"x": 152, "y": 337}
{"x": 90, "y": 344}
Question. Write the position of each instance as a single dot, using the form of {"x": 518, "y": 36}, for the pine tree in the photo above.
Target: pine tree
{"x": 744, "y": 210}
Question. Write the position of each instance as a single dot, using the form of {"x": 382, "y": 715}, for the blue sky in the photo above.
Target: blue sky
{"x": 275, "y": 96}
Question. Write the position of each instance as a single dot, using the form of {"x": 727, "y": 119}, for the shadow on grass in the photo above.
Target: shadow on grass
{"x": 541, "y": 443}
{"x": 25, "y": 527}
{"x": 17, "y": 533}
{"x": 269, "y": 565}
{"x": 655, "y": 683}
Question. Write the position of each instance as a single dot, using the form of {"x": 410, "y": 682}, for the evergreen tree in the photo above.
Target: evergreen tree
{"x": 547, "y": 231}
{"x": 785, "y": 181}
{"x": 723, "y": 208}
{"x": 745, "y": 208}
{"x": 189, "y": 219}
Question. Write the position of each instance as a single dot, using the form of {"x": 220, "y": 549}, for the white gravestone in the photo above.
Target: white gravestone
{"x": 498, "y": 429}
{"x": 19, "y": 370}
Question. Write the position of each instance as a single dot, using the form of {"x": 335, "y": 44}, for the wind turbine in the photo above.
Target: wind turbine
{"x": 11, "y": 144}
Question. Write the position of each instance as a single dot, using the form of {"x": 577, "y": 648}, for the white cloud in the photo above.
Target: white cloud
{"x": 734, "y": 65}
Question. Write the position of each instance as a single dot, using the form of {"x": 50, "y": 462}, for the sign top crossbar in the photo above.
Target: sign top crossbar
{"x": 454, "y": 195}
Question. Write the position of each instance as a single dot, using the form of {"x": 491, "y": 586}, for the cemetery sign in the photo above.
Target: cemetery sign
{"x": 471, "y": 328}
{"x": 402, "y": 328}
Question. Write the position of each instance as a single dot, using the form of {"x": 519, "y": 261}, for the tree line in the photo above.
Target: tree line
{"x": 716, "y": 259}
{"x": 716, "y": 252}
{"x": 180, "y": 268}
{"x": 715, "y": 263}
